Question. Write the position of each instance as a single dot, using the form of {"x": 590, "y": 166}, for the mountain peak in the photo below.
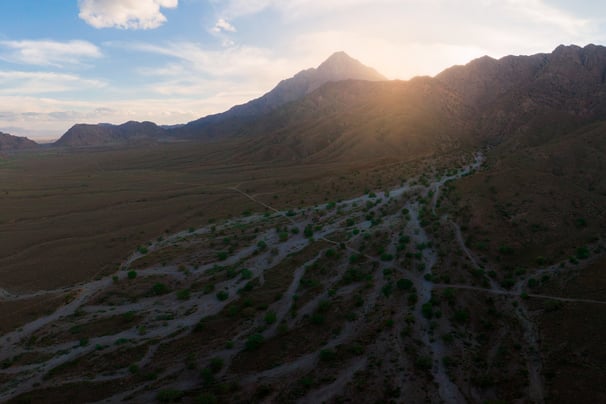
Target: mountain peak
{"x": 340, "y": 65}
{"x": 339, "y": 57}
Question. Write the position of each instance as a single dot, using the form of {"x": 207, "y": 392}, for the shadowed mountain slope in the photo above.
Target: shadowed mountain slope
{"x": 337, "y": 67}
{"x": 10, "y": 142}
{"x": 105, "y": 134}
{"x": 534, "y": 96}
{"x": 345, "y": 110}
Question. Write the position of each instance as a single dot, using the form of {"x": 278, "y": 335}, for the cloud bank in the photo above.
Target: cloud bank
{"x": 125, "y": 14}
{"x": 48, "y": 53}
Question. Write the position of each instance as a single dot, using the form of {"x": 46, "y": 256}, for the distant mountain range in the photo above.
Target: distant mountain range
{"x": 344, "y": 109}
{"x": 338, "y": 67}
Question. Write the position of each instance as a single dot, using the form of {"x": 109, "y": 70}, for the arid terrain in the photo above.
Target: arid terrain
{"x": 324, "y": 283}
{"x": 345, "y": 239}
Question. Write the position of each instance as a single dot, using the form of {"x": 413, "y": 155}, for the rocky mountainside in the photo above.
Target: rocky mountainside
{"x": 534, "y": 96}
{"x": 337, "y": 67}
{"x": 344, "y": 110}
{"x": 10, "y": 142}
{"x": 104, "y": 134}
{"x": 516, "y": 101}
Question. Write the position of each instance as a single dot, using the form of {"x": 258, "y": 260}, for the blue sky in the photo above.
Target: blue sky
{"x": 171, "y": 61}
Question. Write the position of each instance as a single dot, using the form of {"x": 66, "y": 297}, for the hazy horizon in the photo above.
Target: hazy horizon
{"x": 171, "y": 62}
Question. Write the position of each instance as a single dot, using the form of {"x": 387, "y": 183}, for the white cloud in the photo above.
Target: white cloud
{"x": 247, "y": 63}
{"x": 48, "y": 53}
{"x": 125, "y": 14}
{"x": 19, "y": 83}
{"x": 223, "y": 25}
{"x": 540, "y": 12}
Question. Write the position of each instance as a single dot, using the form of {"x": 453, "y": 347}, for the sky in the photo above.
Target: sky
{"x": 64, "y": 62}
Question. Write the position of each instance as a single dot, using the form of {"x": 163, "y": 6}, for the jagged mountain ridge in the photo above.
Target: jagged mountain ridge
{"x": 516, "y": 99}
{"x": 529, "y": 98}
{"x": 10, "y": 142}
{"x": 337, "y": 67}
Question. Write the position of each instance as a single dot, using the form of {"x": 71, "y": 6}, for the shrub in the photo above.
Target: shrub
{"x": 404, "y": 284}
{"x": 317, "y": 319}
{"x": 160, "y": 289}
{"x": 386, "y": 257}
{"x": 387, "y": 289}
{"x": 207, "y": 398}
{"x": 183, "y": 294}
{"x": 222, "y": 295}
{"x": 505, "y": 250}
{"x": 270, "y": 317}
{"x": 427, "y": 310}
{"x": 216, "y": 364}
{"x": 132, "y": 274}
{"x": 327, "y": 355}
{"x": 423, "y": 363}
{"x": 582, "y": 253}
{"x": 461, "y": 316}
{"x": 254, "y": 342}
{"x": 323, "y": 306}
{"x": 169, "y": 395}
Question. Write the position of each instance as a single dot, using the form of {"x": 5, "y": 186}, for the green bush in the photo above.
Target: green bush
{"x": 169, "y": 395}
{"x": 160, "y": 289}
{"x": 327, "y": 355}
{"x": 404, "y": 284}
{"x": 216, "y": 364}
{"x": 254, "y": 342}
{"x": 183, "y": 294}
{"x": 582, "y": 253}
{"x": 461, "y": 316}
{"x": 222, "y": 295}
{"x": 427, "y": 310}
{"x": 505, "y": 250}
{"x": 132, "y": 274}
{"x": 207, "y": 398}
{"x": 270, "y": 317}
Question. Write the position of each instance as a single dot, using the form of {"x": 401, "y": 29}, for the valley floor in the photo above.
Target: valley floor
{"x": 373, "y": 298}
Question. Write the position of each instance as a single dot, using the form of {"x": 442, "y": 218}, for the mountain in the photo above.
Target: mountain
{"x": 337, "y": 67}
{"x": 513, "y": 102}
{"x": 360, "y": 120}
{"x": 105, "y": 134}
{"x": 10, "y": 142}
{"x": 344, "y": 110}
{"x": 527, "y": 99}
